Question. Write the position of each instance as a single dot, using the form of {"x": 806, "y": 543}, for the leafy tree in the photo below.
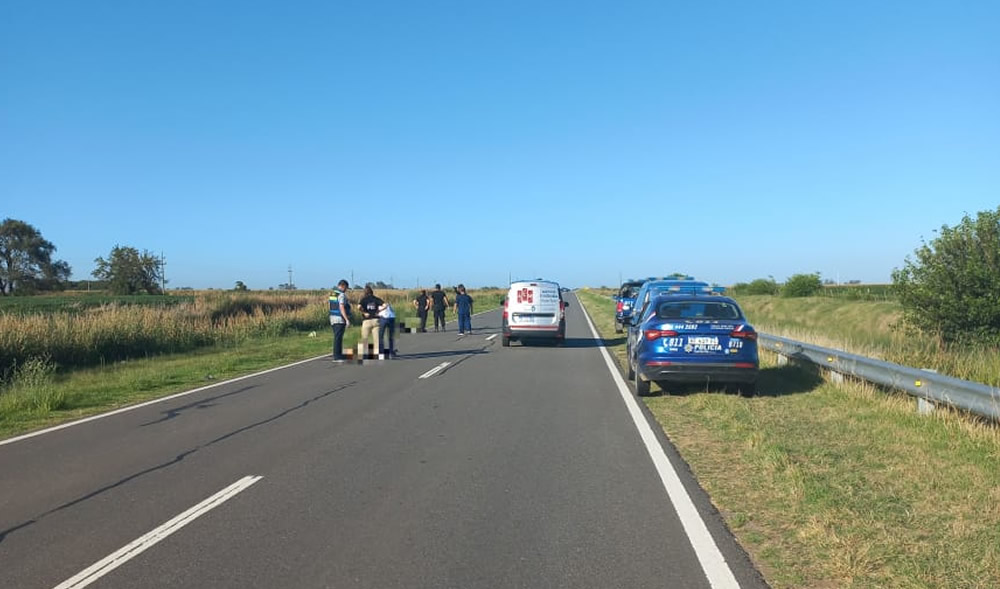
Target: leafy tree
{"x": 240, "y": 286}
{"x": 802, "y": 285}
{"x": 129, "y": 272}
{"x": 950, "y": 287}
{"x": 26, "y": 263}
{"x": 759, "y": 286}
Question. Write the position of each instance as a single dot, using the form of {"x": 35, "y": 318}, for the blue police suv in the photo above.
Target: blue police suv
{"x": 625, "y": 301}
{"x": 685, "y": 337}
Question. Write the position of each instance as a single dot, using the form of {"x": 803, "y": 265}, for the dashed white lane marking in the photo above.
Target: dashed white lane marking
{"x": 713, "y": 563}
{"x": 139, "y": 545}
{"x": 491, "y": 337}
{"x": 435, "y": 370}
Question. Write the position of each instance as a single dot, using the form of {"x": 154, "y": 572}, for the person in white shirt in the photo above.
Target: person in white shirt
{"x": 387, "y": 322}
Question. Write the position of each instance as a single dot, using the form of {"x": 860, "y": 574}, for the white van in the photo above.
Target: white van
{"x": 534, "y": 309}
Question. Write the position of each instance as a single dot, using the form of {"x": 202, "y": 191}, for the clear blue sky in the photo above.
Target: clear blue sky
{"x": 464, "y": 141}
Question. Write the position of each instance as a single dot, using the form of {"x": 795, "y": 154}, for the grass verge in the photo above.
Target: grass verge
{"x": 40, "y": 397}
{"x": 838, "y": 485}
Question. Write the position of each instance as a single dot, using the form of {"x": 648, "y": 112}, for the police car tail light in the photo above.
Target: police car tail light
{"x": 652, "y": 334}
{"x": 744, "y": 332}
{"x": 620, "y": 305}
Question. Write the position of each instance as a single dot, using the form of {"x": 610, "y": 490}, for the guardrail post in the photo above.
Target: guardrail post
{"x": 925, "y": 407}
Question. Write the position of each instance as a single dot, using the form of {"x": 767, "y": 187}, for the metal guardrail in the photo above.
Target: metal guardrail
{"x": 975, "y": 397}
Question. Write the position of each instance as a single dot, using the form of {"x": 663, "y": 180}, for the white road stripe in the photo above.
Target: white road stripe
{"x": 154, "y": 401}
{"x": 435, "y": 370}
{"x": 713, "y": 563}
{"x": 491, "y": 337}
{"x": 139, "y": 545}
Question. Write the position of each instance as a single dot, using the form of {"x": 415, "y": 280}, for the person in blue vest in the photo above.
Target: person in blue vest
{"x": 340, "y": 319}
{"x": 463, "y": 305}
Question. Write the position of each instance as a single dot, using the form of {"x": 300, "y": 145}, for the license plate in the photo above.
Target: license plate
{"x": 703, "y": 340}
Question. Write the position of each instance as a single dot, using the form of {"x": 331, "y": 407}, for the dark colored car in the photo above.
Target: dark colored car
{"x": 624, "y": 302}
{"x": 692, "y": 338}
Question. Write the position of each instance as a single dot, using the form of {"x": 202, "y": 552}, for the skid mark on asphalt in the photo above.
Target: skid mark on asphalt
{"x": 175, "y": 460}
{"x": 203, "y": 404}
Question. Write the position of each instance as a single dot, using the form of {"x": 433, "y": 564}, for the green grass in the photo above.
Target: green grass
{"x": 78, "y": 302}
{"x": 869, "y": 328}
{"x": 87, "y": 391}
{"x": 839, "y": 485}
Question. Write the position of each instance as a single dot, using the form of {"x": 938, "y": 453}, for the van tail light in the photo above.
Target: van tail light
{"x": 620, "y": 306}
{"x": 505, "y": 309}
{"x": 744, "y": 332}
{"x": 652, "y": 334}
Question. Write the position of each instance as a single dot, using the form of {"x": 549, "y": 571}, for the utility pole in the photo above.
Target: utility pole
{"x": 352, "y": 278}
{"x": 290, "y": 277}
{"x": 163, "y": 273}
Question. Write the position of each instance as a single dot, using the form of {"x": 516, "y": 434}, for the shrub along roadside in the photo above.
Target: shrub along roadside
{"x": 839, "y": 486}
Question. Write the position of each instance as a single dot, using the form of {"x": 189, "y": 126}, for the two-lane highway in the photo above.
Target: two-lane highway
{"x": 505, "y": 467}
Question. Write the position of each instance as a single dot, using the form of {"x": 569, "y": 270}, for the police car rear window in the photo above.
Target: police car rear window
{"x": 697, "y": 310}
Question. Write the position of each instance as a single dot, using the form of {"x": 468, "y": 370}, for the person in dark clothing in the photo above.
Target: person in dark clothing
{"x": 370, "y": 306}
{"x": 439, "y": 302}
{"x": 463, "y": 305}
{"x": 422, "y": 304}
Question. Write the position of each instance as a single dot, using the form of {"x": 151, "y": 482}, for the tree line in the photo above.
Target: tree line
{"x": 949, "y": 287}
{"x": 27, "y": 265}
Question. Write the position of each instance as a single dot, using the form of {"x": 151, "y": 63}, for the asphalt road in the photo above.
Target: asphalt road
{"x": 509, "y": 467}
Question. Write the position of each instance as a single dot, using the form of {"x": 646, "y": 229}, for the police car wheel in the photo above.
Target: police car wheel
{"x": 641, "y": 386}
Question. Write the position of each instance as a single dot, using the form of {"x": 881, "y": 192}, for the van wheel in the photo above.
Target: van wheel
{"x": 641, "y": 386}
{"x": 505, "y": 341}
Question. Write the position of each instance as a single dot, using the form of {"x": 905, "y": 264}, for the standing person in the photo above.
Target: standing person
{"x": 422, "y": 304}
{"x": 463, "y": 305}
{"x": 439, "y": 302}
{"x": 340, "y": 319}
{"x": 387, "y": 322}
{"x": 370, "y": 305}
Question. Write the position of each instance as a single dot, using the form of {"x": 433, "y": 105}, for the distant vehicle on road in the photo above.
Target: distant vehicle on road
{"x": 692, "y": 338}
{"x": 652, "y": 287}
{"x": 534, "y": 309}
{"x": 624, "y": 301}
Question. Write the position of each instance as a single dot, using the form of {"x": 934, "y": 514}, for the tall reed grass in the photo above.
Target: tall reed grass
{"x": 870, "y": 328}
{"x": 114, "y": 332}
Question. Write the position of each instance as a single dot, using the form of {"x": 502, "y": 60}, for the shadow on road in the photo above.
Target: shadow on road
{"x": 589, "y": 342}
{"x": 790, "y": 379}
{"x": 443, "y": 354}
{"x": 775, "y": 381}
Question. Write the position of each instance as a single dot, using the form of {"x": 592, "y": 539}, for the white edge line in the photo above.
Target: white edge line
{"x": 488, "y": 338}
{"x": 148, "y": 540}
{"x": 713, "y": 563}
{"x": 434, "y": 370}
{"x": 151, "y": 402}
